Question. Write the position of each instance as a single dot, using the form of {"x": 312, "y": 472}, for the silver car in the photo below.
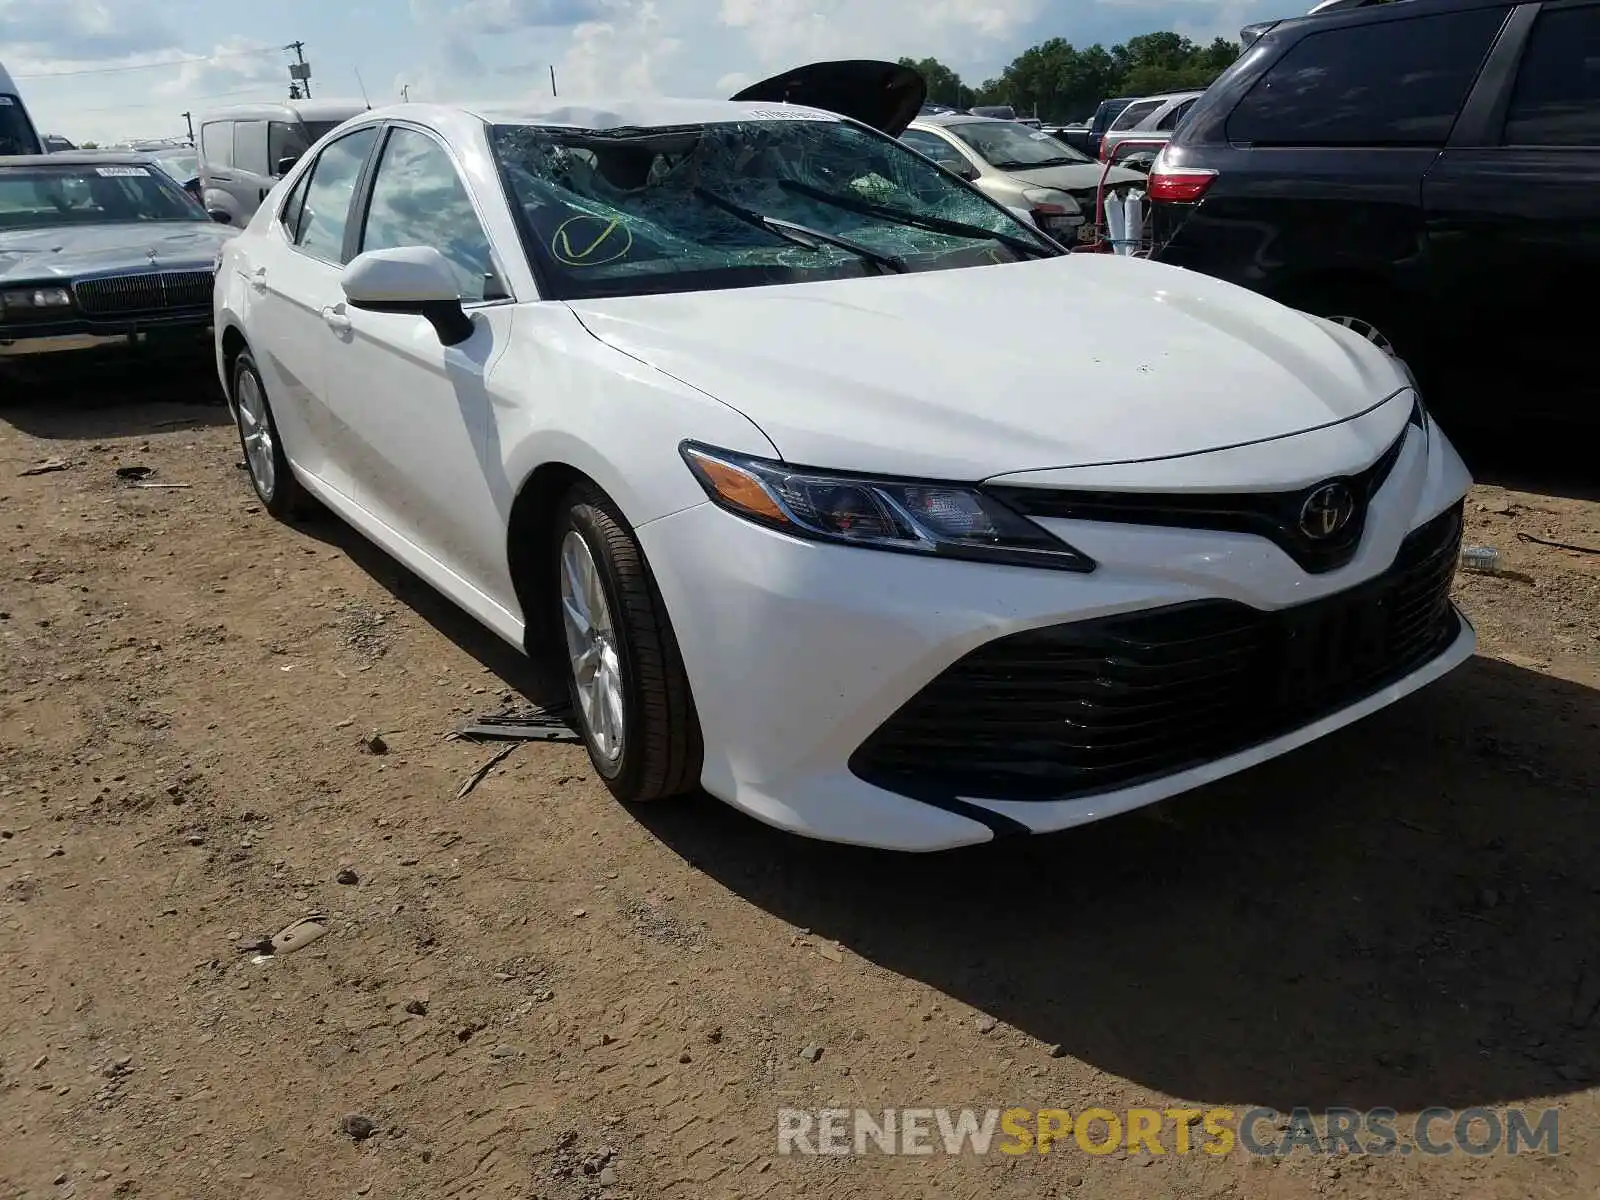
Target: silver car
{"x": 1151, "y": 119}
{"x": 1021, "y": 168}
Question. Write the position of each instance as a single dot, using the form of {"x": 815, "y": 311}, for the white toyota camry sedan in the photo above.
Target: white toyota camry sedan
{"x": 835, "y": 489}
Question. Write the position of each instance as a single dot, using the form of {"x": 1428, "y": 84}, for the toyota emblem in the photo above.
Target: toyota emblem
{"x": 1327, "y": 511}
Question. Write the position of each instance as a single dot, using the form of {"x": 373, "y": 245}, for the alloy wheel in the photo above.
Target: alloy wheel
{"x": 592, "y": 648}
{"x": 255, "y": 431}
{"x": 1369, "y": 331}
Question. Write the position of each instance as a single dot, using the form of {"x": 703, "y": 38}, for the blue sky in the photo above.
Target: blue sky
{"x": 108, "y": 69}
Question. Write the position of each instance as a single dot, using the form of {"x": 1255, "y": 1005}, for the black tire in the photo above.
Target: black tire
{"x": 1370, "y": 312}
{"x": 660, "y": 751}
{"x": 283, "y": 496}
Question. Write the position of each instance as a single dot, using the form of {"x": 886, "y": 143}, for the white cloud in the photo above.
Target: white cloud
{"x": 235, "y": 65}
{"x": 50, "y": 34}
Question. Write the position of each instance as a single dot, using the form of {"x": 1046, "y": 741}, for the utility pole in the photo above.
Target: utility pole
{"x": 188, "y": 120}
{"x": 553, "y": 91}
{"x": 299, "y": 73}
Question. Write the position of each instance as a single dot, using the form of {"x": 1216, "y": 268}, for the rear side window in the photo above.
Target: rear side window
{"x": 1135, "y": 113}
{"x": 1176, "y": 114}
{"x": 1389, "y": 83}
{"x": 250, "y": 147}
{"x": 216, "y": 144}
{"x": 1557, "y": 98}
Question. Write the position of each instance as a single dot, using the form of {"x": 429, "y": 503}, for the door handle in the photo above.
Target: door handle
{"x": 336, "y": 320}
{"x": 258, "y": 279}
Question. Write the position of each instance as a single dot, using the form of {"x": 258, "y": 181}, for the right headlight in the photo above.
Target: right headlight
{"x": 948, "y": 520}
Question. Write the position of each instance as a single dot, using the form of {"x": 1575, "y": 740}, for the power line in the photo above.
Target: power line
{"x": 152, "y": 66}
{"x": 259, "y": 87}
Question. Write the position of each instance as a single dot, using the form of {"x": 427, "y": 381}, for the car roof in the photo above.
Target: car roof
{"x": 82, "y": 158}
{"x": 948, "y": 119}
{"x": 640, "y": 113}
{"x": 1375, "y": 11}
{"x": 306, "y": 110}
{"x": 1168, "y": 97}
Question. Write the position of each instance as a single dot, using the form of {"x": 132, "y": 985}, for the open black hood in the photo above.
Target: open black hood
{"x": 880, "y": 94}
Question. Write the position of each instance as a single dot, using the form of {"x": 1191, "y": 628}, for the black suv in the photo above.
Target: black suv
{"x": 1426, "y": 171}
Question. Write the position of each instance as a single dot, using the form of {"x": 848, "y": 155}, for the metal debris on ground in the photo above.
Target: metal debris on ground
{"x": 135, "y": 472}
{"x": 482, "y": 772}
{"x": 180, "y": 487}
{"x": 1539, "y": 541}
{"x": 49, "y": 465}
{"x": 300, "y": 934}
{"x": 522, "y": 725}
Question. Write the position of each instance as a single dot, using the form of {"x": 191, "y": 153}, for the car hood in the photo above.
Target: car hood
{"x": 1078, "y": 177}
{"x": 964, "y": 374}
{"x": 62, "y": 252}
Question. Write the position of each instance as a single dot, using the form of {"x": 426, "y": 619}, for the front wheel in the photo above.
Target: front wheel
{"x": 629, "y": 691}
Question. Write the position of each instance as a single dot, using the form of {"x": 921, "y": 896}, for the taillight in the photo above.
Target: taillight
{"x": 1179, "y": 185}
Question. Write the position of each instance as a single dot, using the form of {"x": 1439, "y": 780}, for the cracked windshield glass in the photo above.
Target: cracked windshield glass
{"x": 741, "y": 204}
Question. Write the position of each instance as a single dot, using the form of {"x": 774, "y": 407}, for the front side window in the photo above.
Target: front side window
{"x": 1390, "y": 83}
{"x": 1007, "y": 146}
{"x": 1557, "y": 97}
{"x": 216, "y": 144}
{"x": 737, "y": 204}
{"x": 930, "y": 144}
{"x": 16, "y": 131}
{"x": 419, "y": 200}
{"x": 328, "y": 195}
{"x": 36, "y": 197}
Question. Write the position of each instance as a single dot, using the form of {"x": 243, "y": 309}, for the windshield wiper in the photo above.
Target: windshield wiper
{"x": 802, "y": 235}
{"x": 1040, "y": 249}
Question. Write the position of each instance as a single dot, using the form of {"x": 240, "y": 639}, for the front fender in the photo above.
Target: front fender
{"x": 563, "y": 396}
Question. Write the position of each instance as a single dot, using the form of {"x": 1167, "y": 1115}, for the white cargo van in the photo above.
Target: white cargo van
{"x": 245, "y": 149}
{"x": 17, "y": 134}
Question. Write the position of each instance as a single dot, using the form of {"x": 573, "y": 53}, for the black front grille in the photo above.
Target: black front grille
{"x": 1071, "y": 710}
{"x": 152, "y": 292}
{"x": 1276, "y": 516}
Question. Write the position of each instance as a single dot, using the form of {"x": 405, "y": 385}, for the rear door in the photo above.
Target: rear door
{"x": 294, "y": 275}
{"x": 1514, "y": 218}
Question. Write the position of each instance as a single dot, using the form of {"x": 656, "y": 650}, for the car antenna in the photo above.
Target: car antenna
{"x": 362, "y": 85}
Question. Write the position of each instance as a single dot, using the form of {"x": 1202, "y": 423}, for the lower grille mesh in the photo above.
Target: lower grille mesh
{"x": 1096, "y": 705}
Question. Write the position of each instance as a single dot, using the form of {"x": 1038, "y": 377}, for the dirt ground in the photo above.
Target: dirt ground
{"x": 531, "y": 992}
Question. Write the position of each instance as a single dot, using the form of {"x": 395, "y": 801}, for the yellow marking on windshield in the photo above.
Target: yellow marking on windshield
{"x": 590, "y": 254}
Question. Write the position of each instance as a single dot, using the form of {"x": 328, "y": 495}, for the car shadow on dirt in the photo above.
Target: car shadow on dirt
{"x": 515, "y": 670}
{"x": 1400, "y": 915}
{"x": 125, "y": 394}
{"x": 1534, "y": 459}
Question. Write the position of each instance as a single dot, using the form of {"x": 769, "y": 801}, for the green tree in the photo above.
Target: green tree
{"x": 1060, "y": 82}
{"x": 944, "y": 85}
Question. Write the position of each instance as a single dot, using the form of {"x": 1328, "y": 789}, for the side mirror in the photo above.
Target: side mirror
{"x": 286, "y": 164}
{"x": 409, "y": 279}
{"x": 959, "y": 167}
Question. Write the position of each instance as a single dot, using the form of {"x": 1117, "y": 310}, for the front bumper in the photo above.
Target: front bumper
{"x": 74, "y": 325}
{"x": 800, "y": 653}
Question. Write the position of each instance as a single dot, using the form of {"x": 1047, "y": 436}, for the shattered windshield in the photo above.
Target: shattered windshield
{"x": 740, "y": 204}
